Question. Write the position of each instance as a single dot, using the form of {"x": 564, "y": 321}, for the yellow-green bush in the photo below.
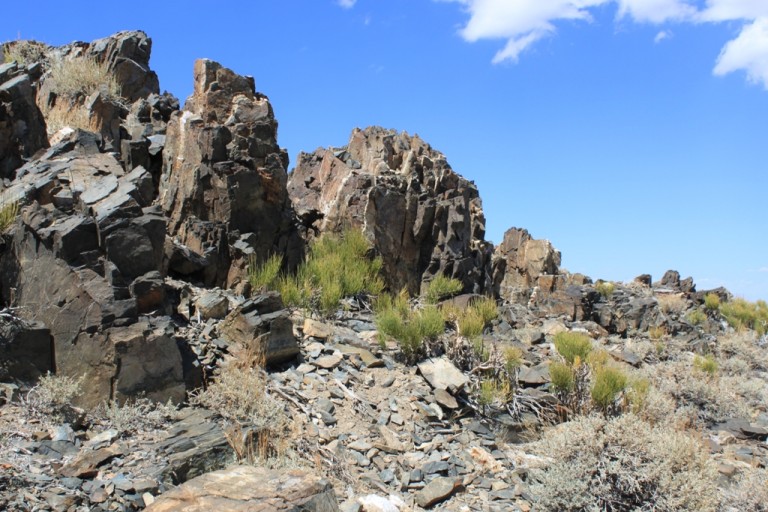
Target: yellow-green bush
{"x": 608, "y": 383}
{"x": 487, "y": 308}
{"x": 265, "y": 276}
{"x": 605, "y": 288}
{"x": 9, "y": 210}
{"x": 712, "y": 301}
{"x": 742, "y": 314}
{"x": 561, "y": 374}
{"x": 396, "y": 320}
{"x": 706, "y": 364}
{"x": 336, "y": 266}
{"x": 573, "y": 345}
{"x": 513, "y": 359}
{"x": 696, "y": 317}
{"x": 441, "y": 287}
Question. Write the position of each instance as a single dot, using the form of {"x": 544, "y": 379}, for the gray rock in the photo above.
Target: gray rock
{"x": 442, "y": 374}
{"x": 438, "y": 490}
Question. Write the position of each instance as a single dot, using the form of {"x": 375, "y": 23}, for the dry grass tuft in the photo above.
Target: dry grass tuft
{"x": 83, "y": 76}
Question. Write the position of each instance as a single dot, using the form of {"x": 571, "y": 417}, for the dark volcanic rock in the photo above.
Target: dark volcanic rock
{"x": 22, "y": 126}
{"x": 225, "y": 175}
{"x": 421, "y": 217}
{"x": 26, "y": 350}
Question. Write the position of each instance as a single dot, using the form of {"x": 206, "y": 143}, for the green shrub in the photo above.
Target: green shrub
{"x": 605, "y": 288}
{"x": 742, "y": 314}
{"x": 265, "y": 276}
{"x": 561, "y": 374}
{"x": 608, "y": 383}
{"x": 336, "y": 266}
{"x": 487, "y": 308}
{"x": 712, "y": 301}
{"x": 470, "y": 323}
{"x": 51, "y": 398}
{"x": 488, "y": 392}
{"x": 396, "y": 320}
{"x": 83, "y": 75}
{"x": 513, "y": 359}
{"x": 441, "y": 287}
{"x": 696, "y": 317}
{"x": 9, "y": 210}
{"x": 706, "y": 364}
{"x": 573, "y": 345}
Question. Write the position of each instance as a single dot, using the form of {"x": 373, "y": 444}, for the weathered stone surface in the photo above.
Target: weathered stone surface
{"x": 224, "y": 173}
{"x": 261, "y": 324}
{"x": 442, "y": 374}
{"x": 519, "y": 261}
{"x": 22, "y": 126}
{"x": 251, "y": 489}
{"x": 26, "y": 350}
{"x": 439, "y": 489}
{"x": 421, "y": 217}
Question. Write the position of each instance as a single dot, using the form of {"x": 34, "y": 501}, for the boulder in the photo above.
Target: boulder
{"x": 26, "y": 349}
{"x": 420, "y": 216}
{"x": 251, "y": 489}
{"x": 520, "y": 261}
{"x": 263, "y": 327}
{"x": 22, "y": 126}
{"x": 224, "y": 174}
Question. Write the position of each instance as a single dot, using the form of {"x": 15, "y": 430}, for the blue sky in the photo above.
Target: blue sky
{"x": 633, "y": 134}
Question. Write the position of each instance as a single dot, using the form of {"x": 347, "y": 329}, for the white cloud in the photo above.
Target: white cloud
{"x": 763, "y": 269}
{"x": 664, "y": 34}
{"x": 524, "y": 22}
{"x": 748, "y": 52}
{"x": 656, "y": 11}
{"x": 346, "y": 4}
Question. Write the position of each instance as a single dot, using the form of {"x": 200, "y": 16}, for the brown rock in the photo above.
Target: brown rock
{"x": 439, "y": 489}
{"x": 421, "y": 217}
{"x": 87, "y": 463}
{"x": 251, "y": 489}
{"x": 519, "y": 261}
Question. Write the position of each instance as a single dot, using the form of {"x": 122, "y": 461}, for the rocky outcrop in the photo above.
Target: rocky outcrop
{"x": 224, "y": 179}
{"x": 22, "y": 127}
{"x": 519, "y": 263}
{"x": 421, "y": 217}
{"x": 26, "y": 349}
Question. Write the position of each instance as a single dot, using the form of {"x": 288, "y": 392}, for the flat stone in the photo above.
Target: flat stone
{"x": 361, "y": 445}
{"x": 249, "y": 489}
{"x": 317, "y": 329}
{"x": 445, "y": 399}
{"x": 87, "y": 463}
{"x": 370, "y": 360}
{"x": 437, "y": 490}
{"x": 442, "y": 374}
{"x": 389, "y": 441}
{"x": 328, "y": 362}
{"x": 534, "y": 376}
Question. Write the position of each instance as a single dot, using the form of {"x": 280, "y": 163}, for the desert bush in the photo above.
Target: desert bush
{"x": 256, "y": 423}
{"x": 9, "y": 210}
{"x": 513, "y": 359}
{"x": 608, "y": 383}
{"x": 470, "y": 323}
{"x": 337, "y": 266}
{"x": 83, "y": 76}
{"x": 696, "y": 317}
{"x": 605, "y": 288}
{"x": 748, "y": 492}
{"x": 265, "y": 275}
{"x": 742, "y": 314}
{"x": 672, "y": 303}
{"x": 622, "y": 464}
{"x": 52, "y": 396}
{"x": 657, "y": 332}
{"x": 134, "y": 415}
{"x": 488, "y": 392}
{"x": 23, "y": 52}
{"x": 487, "y": 308}
{"x": 706, "y": 364}
{"x": 395, "y": 319}
{"x": 441, "y": 287}
{"x": 712, "y": 302}
{"x": 561, "y": 374}
{"x": 573, "y": 346}
{"x": 741, "y": 351}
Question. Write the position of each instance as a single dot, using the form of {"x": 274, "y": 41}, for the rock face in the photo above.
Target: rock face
{"x": 26, "y": 349}
{"x": 22, "y": 127}
{"x": 88, "y": 233}
{"x": 247, "y": 488}
{"x": 224, "y": 178}
{"x": 421, "y": 217}
{"x": 520, "y": 261}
